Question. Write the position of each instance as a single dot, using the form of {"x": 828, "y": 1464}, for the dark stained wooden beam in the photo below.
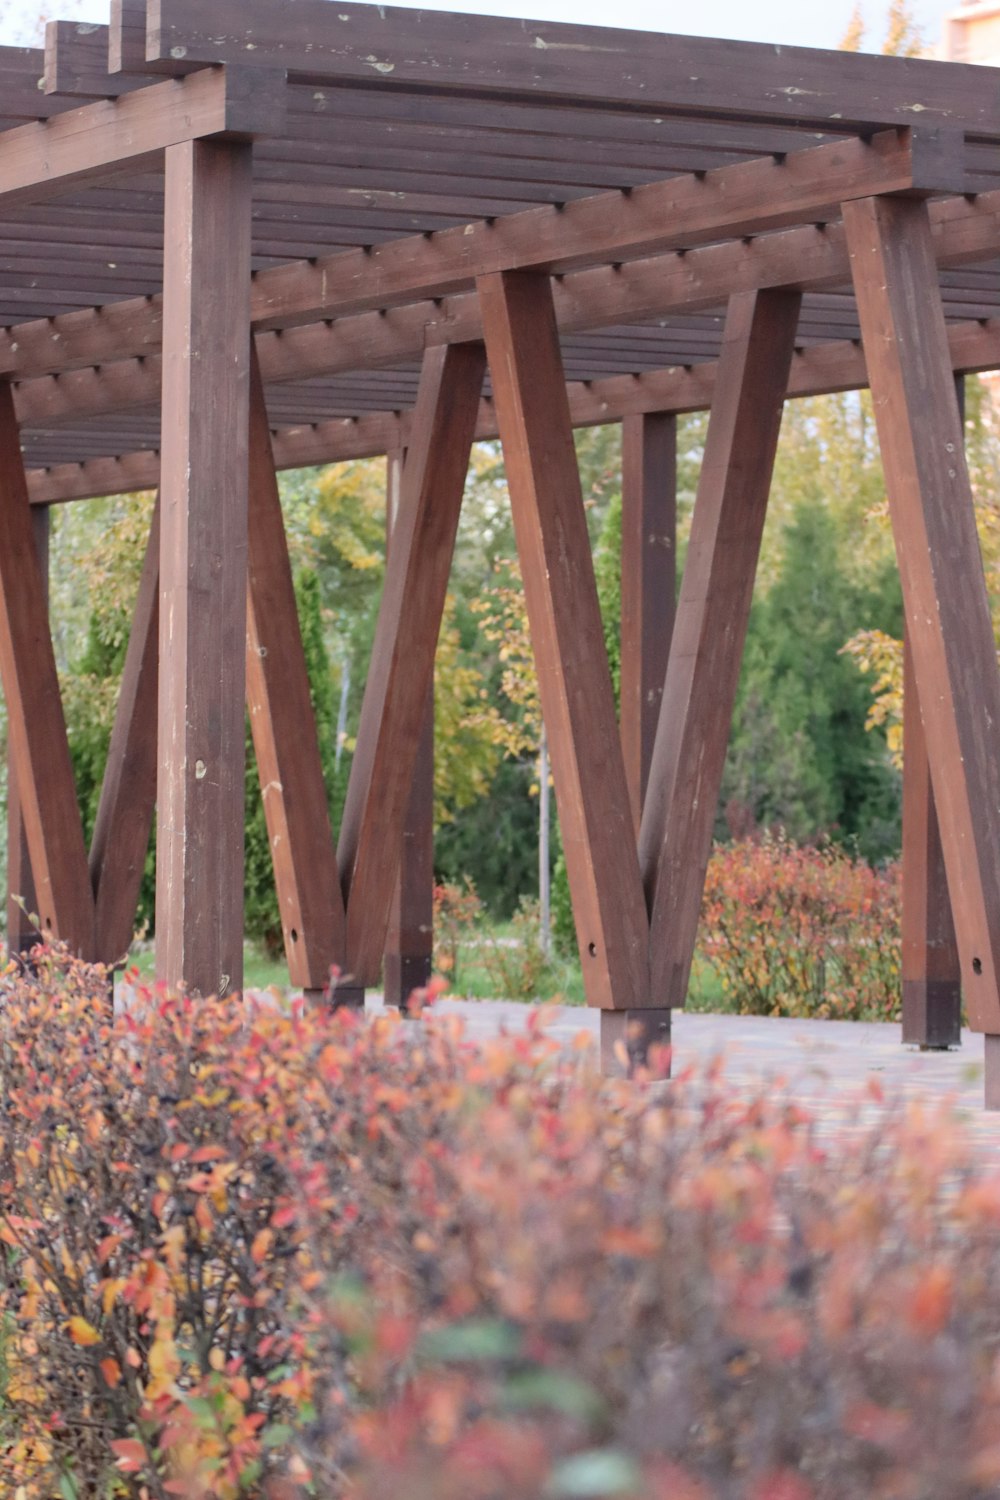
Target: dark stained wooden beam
{"x": 36, "y": 728}
{"x": 567, "y": 636}
{"x": 648, "y": 585}
{"x": 391, "y": 47}
{"x": 283, "y": 725}
{"x": 401, "y": 673}
{"x": 944, "y": 592}
{"x": 710, "y": 628}
{"x": 76, "y": 62}
{"x": 21, "y": 932}
{"x": 124, "y": 819}
{"x": 203, "y": 567}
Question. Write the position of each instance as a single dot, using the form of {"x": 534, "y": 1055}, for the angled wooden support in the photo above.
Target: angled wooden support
{"x": 402, "y": 666}
{"x": 203, "y": 567}
{"x": 944, "y": 591}
{"x": 283, "y": 725}
{"x": 39, "y": 750}
{"x": 710, "y": 628}
{"x": 128, "y": 794}
{"x": 649, "y": 563}
{"x": 21, "y": 932}
{"x": 409, "y": 949}
{"x": 529, "y": 387}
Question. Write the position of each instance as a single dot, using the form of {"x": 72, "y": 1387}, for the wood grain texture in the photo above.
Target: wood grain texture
{"x": 283, "y": 725}
{"x": 38, "y": 747}
{"x": 944, "y": 591}
{"x": 553, "y": 545}
{"x": 710, "y": 628}
{"x": 22, "y": 934}
{"x": 401, "y": 673}
{"x": 203, "y": 567}
{"x": 124, "y": 820}
{"x": 648, "y": 586}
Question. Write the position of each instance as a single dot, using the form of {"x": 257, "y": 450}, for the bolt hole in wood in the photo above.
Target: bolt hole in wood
{"x": 592, "y": 949}
{"x": 977, "y": 966}
{"x": 294, "y": 936}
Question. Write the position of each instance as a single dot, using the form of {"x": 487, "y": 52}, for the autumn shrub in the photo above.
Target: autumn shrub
{"x": 288, "y": 1254}
{"x": 801, "y": 931}
{"x": 518, "y": 965}
{"x": 457, "y": 909}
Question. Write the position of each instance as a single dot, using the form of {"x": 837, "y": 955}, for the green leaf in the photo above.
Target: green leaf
{"x": 68, "y": 1487}
{"x": 597, "y": 1475}
{"x": 555, "y": 1390}
{"x": 485, "y": 1340}
{"x": 277, "y": 1435}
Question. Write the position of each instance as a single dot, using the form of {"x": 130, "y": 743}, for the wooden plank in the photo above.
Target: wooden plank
{"x": 127, "y": 36}
{"x": 932, "y": 986}
{"x": 529, "y": 387}
{"x": 648, "y": 586}
{"x": 402, "y": 665}
{"x": 392, "y": 47}
{"x": 36, "y": 728}
{"x": 409, "y": 948}
{"x": 22, "y": 934}
{"x": 76, "y": 62}
{"x": 944, "y": 592}
{"x": 46, "y": 159}
{"x": 709, "y": 631}
{"x": 124, "y": 819}
{"x": 283, "y": 725}
{"x": 203, "y": 567}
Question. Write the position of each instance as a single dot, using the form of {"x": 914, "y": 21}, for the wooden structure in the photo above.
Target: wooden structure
{"x": 272, "y": 233}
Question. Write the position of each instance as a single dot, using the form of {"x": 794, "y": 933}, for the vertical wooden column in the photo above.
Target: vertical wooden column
{"x": 678, "y": 818}
{"x": 932, "y": 985}
{"x": 21, "y": 935}
{"x": 203, "y": 566}
{"x": 649, "y": 563}
{"x": 948, "y": 623}
{"x": 409, "y": 950}
{"x": 553, "y": 544}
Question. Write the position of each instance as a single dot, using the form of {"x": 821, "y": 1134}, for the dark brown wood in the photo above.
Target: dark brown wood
{"x": 932, "y": 986}
{"x": 76, "y": 61}
{"x": 567, "y": 636}
{"x": 127, "y": 36}
{"x": 409, "y": 948}
{"x": 203, "y": 567}
{"x": 36, "y": 728}
{"x": 648, "y": 586}
{"x": 22, "y": 934}
{"x": 124, "y": 819}
{"x": 944, "y": 593}
{"x": 710, "y": 627}
{"x": 402, "y": 667}
{"x": 283, "y": 725}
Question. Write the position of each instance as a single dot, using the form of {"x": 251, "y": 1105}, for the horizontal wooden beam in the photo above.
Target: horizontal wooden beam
{"x": 390, "y": 48}
{"x": 818, "y": 370}
{"x": 48, "y": 157}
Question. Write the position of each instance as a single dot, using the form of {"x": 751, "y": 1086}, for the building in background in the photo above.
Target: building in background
{"x": 972, "y": 33}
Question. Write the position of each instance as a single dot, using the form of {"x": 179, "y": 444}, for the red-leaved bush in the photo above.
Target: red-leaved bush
{"x": 281, "y": 1253}
{"x": 794, "y": 931}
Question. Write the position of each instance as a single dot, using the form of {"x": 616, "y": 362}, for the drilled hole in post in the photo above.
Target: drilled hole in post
{"x": 294, "y": 935}
{"x": 977, "y": 966}
{"x": 592, "y": 949}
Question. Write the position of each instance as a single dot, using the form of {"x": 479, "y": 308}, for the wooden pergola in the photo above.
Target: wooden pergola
{"x": 255, "y": 234}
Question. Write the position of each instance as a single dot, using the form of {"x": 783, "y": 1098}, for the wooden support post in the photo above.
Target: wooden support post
{"x": 128, "y": 794}
{"x": 948, "y": 623}
{"x": 401, "y": 674}
{"x": 283, "y": 725}
{"x": 649, "y": 563}
{"x": 36, "y": 727}
{"x": 628, "y": 1037}
{"x": 409, "y": 950}
{"x": 22, "y": 935}
{"x": 203, "y": 567}
{"x": 533, "y": 415}
{"x": 703, "y": 672}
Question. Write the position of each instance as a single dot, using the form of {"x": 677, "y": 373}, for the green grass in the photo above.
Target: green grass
{"x": 259, "y": 971}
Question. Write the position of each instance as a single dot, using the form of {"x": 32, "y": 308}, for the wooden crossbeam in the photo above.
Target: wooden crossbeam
{"x": 38, "y": 747}
{"x": 710, "y": 628}
{"x": 124, "y": 819}
{"x": 401, "y": 673}
{"x": 392, "y": 47}
{"x": 944, "y": 592}
{"x": 21, "y": 932}
{"x": 76, "y": 62}
{"x": 560, "y": 593}
{"x": 648, "y": 585}
{"x": 203, "y": 567}
{"x": 283, "y": 725}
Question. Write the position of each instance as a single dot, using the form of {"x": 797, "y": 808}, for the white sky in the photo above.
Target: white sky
{"x": 808, "y": 23}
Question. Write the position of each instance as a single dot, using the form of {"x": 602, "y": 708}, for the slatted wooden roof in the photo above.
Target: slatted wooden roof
{"x": 375, "y": 125}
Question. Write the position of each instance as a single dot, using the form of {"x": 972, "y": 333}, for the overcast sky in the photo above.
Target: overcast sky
{"x": 809, "y": 23}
